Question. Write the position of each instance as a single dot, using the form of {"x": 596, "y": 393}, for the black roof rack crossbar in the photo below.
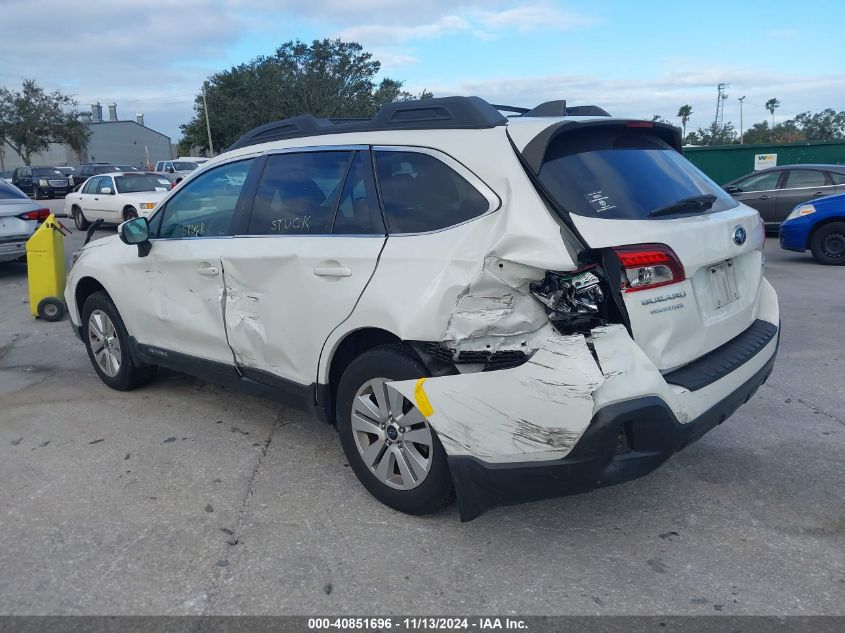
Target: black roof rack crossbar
{"x": 507, "y": 108}
{"x": 445, "y": 113}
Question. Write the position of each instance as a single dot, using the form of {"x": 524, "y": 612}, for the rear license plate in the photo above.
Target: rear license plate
{"x": 723, "y": 284}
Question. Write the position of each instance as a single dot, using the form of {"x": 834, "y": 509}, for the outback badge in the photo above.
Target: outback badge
{"x": 739, "y": 235}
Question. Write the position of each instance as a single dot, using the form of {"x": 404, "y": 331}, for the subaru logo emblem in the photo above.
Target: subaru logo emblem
{"x": 739, "y": 235}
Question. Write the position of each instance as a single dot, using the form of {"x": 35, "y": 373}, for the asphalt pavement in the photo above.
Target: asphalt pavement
{"x": 186, "y": 498}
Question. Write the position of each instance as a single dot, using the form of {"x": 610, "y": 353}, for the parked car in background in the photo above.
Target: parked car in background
{"x": 41, "y": 182}
{"x": 507, "y": 308}
{"x": 774, "y": 192}
{"x": 19, "y": 217}
{"x": 87, "y": 170}
{"x": 818, "y": 226}
{"x": 175, "y": 170}
{"x": 126, "y": 168}
{"x": 115, "y": 197}
{"x": 6, "y": 176}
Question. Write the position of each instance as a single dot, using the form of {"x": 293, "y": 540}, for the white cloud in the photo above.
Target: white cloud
{"x": 530, "y": 17}
{"x": 664, "y": 94}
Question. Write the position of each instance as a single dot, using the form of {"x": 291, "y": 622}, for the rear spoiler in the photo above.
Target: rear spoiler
{"x": 535, "y": 151}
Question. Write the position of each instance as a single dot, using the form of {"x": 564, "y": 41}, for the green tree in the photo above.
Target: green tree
{"x": 826, "y": 125}
{"x": 31, "y": 119}
{"x": 684, "y": 114}
{"x": 771, "y": 106}
{"x": 327, "y": 78}
{"x": 712, "y": 135}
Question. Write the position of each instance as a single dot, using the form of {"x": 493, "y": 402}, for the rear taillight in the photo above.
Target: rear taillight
{"x": 38, "y": 214}
{"x": 648, "y": 266}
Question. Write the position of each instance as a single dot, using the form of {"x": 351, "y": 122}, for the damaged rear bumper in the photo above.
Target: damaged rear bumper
{"x": 645, "y": 428}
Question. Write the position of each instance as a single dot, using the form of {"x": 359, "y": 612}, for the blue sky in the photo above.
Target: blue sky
{"x": 633, "y": 58}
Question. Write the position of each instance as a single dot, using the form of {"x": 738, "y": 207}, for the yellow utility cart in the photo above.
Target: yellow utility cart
{"x": 45, "y": 262}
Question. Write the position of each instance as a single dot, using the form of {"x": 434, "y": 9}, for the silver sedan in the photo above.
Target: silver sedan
{"x": 19, "y": 217}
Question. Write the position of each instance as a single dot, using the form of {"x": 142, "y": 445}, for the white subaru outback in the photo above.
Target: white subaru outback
{"x": 502, "y": 309}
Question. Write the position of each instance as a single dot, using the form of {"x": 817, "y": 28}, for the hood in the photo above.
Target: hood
{"x": 102, "y": 241}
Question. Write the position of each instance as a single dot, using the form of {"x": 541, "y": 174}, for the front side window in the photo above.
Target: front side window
{"x": 105, "y": 183}
{"x": 421, "y": 193}
{"x": 799, "y": 178}
{"x": 298, "y": 193}
{"x": 205, "y": 206}
{"x": 760, "y": 182}
{"x": 184, "y": 166}
{"x": 623, "y": 174}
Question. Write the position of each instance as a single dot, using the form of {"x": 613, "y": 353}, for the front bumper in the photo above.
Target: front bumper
{"x": 793, "y": 235}
{"x": 623, "y": 441}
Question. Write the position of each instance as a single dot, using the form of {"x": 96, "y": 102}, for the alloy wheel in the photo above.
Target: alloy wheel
{"x": 392, "y": 436}
{"x": 105, "y": 344}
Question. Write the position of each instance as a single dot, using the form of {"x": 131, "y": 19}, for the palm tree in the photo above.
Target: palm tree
{"x": 684, "y": 113}
{"x": 771, "y": 106}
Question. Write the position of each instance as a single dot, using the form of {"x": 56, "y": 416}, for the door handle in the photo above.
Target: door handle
{"x": 208, "y": 271}
{"x": 333, "y": 271}
{"x": 817, "y": 194}
{"x": 763, "y": 197}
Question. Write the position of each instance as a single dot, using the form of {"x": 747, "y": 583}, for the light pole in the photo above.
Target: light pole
{"x": 741, "y": 138}
{"x": 207, "y": 123}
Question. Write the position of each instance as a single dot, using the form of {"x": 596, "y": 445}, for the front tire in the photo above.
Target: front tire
{"x": 389, "y": 444}
{"x": 107, "y": 343}
{"x": 36, "y": 193}
{"x": 129, "y": 213}
{"x": 79, "y": 219}
{"x": 828, "y": 244}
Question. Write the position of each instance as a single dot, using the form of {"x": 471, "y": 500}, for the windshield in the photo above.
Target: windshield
{"x": 141, "y": 182}
{"x": 625, "y": 174}
{"x": 10, "y": 192}
{"x": 184, "y": 166}
{"x": 46, "y": 171}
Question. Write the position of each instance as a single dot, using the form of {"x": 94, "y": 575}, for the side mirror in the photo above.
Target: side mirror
{"x": 733, "y": 189}
{"x": 105, "y": 190}
{"x": 170, "y": 170}
{"x": 136, "y": 231}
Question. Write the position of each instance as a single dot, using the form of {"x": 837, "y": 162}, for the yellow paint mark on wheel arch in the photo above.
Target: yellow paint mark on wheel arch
{"x": 421, "y": 399}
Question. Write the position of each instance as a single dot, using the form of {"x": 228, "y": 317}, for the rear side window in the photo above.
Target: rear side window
{"x": 357, "y": 211}
{"x": 298, "y": 193}
{"x": 836, "y": 178}
{"x": 621, "y": 173}
{"x": 91, "y": 185}
{"x": 799, "y": 178}
{"x": 421, "y": 193}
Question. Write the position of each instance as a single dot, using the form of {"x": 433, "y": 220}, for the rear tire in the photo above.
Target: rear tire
{"x": 79, "y": 219}
{"x": 828, "y": 244}
{"x": 385, "y": 430}
{"x": 107, "y": 343}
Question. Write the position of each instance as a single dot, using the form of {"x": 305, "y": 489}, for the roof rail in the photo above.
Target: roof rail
{"x": 428, "y": 114}
{"x": 507, "y": 108}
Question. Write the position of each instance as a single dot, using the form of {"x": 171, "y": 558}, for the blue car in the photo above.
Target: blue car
{"x": 818, "y": 225}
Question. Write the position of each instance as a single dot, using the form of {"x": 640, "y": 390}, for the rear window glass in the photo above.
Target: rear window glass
{"x": 141, "y": 182}
{"x": 622, "y": 174}
{"x": 8, "y": 192}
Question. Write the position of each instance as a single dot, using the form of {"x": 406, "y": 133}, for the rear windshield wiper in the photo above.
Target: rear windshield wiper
{"x": 693, "y": 203}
